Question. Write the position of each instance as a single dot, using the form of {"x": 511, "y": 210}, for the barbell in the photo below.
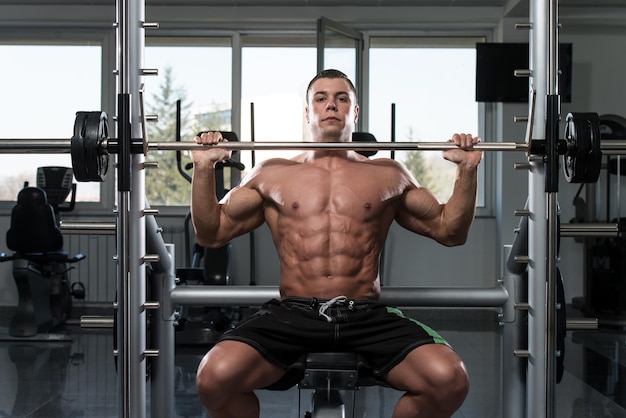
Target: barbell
{"x": 90, "y": 146}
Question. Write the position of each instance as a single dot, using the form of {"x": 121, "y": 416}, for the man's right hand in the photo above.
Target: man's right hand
{"x": 212, "y": 154}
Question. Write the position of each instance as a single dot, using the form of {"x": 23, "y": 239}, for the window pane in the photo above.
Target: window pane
{"x": 43, "y": 87}
{"x": 340, "y": 53}
{"x": 201, "y": 78}
{"x": 278, "y": 96}
{"x": 433, "y": 93}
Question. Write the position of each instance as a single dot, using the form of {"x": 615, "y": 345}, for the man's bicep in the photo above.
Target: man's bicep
{"x": 420, "y": 211}
{"x": 242, "y": 210}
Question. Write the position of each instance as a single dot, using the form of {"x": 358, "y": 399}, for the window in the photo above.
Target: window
{"x": 432, "y": 94}
{"x": 431, "y": 83}
{"x": 200, "y": 76}
{"x": 43, "y": 86}
{"x": 276, "y": 87}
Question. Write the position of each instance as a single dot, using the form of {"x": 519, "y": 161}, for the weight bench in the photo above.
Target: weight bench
{"x": 330, "y": 373}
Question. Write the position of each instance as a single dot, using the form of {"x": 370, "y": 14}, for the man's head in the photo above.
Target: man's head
{"x": 330, "y": 74}
{"x": 332, "y": 109}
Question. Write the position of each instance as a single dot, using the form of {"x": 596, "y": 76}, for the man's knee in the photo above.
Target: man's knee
{"x": 213, "y": 382}
{"x": 458, "y": 383}
{"x": 450, "y": 386}
{"x": 231, "y": 369}
{"x": 434, "y": 375}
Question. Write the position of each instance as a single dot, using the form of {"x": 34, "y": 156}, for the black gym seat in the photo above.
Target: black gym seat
{"x": 39, "y": 265}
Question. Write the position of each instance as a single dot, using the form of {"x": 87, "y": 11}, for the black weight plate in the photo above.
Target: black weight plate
{"x": 578, "y": 144}
{"x": 76, "y": 148}
{"x": 95, "y": 133}
{"x": 594, "y": 162}
{"x": 89, "y": 158}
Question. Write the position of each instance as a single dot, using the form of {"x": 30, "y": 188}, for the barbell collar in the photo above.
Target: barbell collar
{"x": 112, "y": 146}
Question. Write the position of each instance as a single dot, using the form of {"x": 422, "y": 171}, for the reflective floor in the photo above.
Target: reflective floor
{"x": 71, "y": 373}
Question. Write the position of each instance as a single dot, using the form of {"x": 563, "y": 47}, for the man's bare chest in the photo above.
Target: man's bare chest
{"x": 343, "y": 192}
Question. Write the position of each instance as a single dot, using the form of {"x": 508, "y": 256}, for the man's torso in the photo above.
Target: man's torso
{"x": 329, "y": 219}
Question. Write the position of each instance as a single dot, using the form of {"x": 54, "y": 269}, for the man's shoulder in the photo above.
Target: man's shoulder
{"x": 278, "y": 162}
{"x": 385, "y": 163}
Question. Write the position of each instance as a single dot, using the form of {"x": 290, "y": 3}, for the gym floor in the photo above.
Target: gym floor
{"x": 71, "y": 373}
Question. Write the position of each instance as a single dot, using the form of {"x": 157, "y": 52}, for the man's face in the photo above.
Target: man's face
{"x": 332, "y": 111}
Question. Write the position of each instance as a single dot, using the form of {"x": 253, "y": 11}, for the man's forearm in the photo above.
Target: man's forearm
{"x": 205, "y": 210}
{"x": 461, "y": 207}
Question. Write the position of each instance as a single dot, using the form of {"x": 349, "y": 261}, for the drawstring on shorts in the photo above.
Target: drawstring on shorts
{"x": 339, "y": 300}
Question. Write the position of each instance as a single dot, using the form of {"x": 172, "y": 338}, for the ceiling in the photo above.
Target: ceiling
{"x": 596, "y": 12}
{"x": 330, "y": 3}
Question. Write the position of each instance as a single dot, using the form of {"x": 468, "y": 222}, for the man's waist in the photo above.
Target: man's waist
{"x": 316, "y": 303}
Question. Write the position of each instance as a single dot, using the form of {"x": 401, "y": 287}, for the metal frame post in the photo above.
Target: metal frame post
{"x": 514, "y": 336}
{"x": 162, "y": 280}
{"x": 131, "y": 239}
{"x": 536, "y": 389}
{"x": 542, "y": 222}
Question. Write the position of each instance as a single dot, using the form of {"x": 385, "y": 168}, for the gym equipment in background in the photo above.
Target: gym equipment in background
{"x": 40, "y": 265}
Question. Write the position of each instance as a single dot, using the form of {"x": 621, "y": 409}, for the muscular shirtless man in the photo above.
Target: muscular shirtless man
{"x": 329, "y": 213}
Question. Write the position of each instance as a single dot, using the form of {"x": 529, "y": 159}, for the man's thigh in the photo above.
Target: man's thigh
{"x": 425, "y": 367}
{"x": 238, "y": 362}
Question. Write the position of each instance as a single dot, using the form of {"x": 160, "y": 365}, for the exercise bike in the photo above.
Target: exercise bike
{"x": 40, "y": 265}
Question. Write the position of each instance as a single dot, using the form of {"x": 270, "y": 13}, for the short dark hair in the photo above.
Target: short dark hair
{"x": 330, "y": 73}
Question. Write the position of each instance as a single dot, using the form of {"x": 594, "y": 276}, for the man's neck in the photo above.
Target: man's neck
{"x": 329, "y": 154}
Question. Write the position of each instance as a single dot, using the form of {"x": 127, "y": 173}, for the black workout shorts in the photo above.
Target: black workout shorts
{"x": 283, "y": 331}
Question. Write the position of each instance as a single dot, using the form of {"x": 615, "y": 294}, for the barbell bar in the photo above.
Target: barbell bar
{"x": 356, "y": 146}
{"x": 59, "y": 146}
{"x": 63, "y": 146}
{"x": 90, "y": 146}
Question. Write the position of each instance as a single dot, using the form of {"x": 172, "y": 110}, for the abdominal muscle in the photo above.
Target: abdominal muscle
{"x": 328, "y": 256}
{"x": 329, "y": 233}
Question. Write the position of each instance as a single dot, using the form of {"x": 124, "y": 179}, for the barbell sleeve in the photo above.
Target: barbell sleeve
{"x": 35, "y": 146}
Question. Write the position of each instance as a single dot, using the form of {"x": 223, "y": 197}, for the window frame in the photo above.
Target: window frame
{"x": 486, "y": 111}
{"x": 274, "y": 37}
{"x": 71, "y": 37}
{"x": 185, "y": 40}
